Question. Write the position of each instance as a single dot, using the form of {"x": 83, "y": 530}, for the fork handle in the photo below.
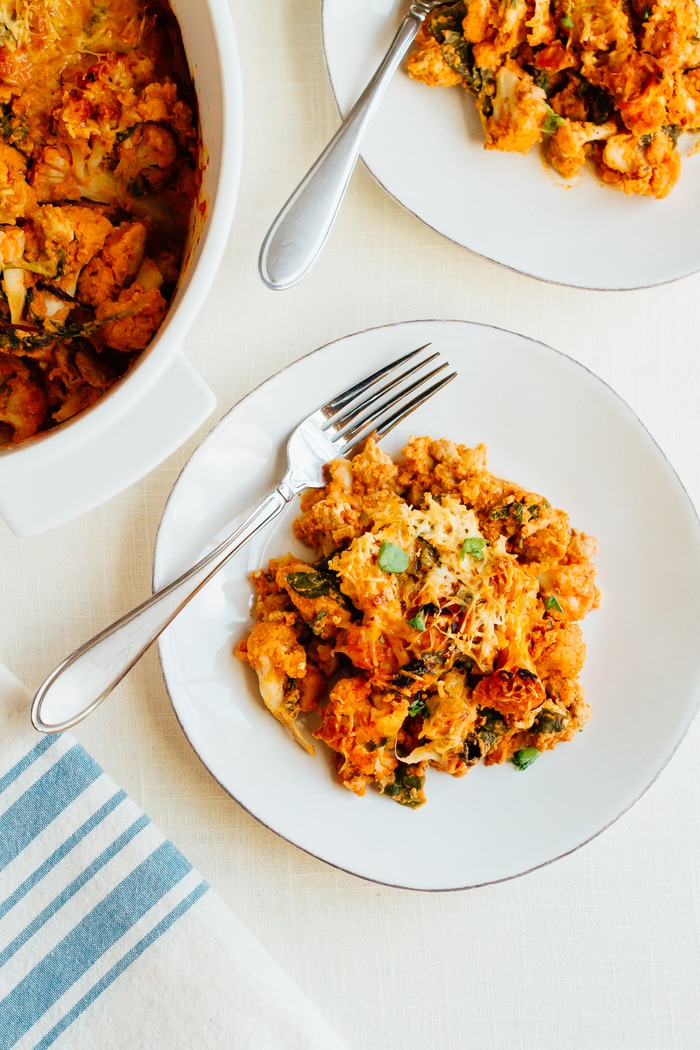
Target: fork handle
{"x": 83, "y": 680}
{"x": 297, "y": 235}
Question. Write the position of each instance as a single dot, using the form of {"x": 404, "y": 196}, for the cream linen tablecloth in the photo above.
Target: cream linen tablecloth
{"x": 599, "y": 951}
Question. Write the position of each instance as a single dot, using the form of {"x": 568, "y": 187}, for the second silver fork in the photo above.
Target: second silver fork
{"x": 372, "y": 406}
{"x": 300, "y": 230}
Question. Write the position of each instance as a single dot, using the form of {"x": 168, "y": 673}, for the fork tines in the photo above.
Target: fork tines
{"x": 404, "y": 390}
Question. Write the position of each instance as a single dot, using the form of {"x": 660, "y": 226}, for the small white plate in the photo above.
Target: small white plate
{"x": 553, "y": 427}
{"x": 426, "y": 148}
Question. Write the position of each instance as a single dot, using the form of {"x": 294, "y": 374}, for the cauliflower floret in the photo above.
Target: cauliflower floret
{"x": 158, "y": 103}
{"x": 72, "y": 234}
{"x": 517, "y": 111}
{"x": 449, "y": 718}
{"x": 684, "y": 106}
{"x": 119, "y": 261}
{"x": 362, "y": 728}
{"x": 22, "y": 401}
{"x": 667, "y": 29}
{"x": 332, "y": 516}
{"x": 96, "y": 101}
{"x": 477, "y": 21}
{"x": 557, "y": 647}
{"x": 17, "y": 198}
{"x": 427, "y": 63}
{"x": 635, "y": 166}
{"x": 512, "y": 27}
{"x": 542, "y": 28}
{"x": 570, "y": 586}
{"x": 149, "y": 275}
{"x": 136, "y": 314}
{"x": 516, "y": 693}
{"x": 637, "y": 84}
{"x": 15, "y": 287}
{"x": 12, "y": 244}
{"x": 53, "y": 304}
{"x": 274, "y": 653}
{"x": 65, "y": 173}
{"x": 96, "y": 283}
{"x": 600, "y": 25}
{"x": 148, "y": 153}
{"x": 570, "y": 145}
{"x": 124, "y": 250}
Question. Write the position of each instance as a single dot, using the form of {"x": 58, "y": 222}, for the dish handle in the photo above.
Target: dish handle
{"x": 72, "y": 471}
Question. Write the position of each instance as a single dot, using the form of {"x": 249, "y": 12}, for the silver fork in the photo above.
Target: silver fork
{"x": 371, "y": 407}
{"x": 300, "y": 230}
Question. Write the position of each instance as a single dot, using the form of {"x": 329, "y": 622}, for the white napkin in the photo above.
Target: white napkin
{"x": 108, "y": 937}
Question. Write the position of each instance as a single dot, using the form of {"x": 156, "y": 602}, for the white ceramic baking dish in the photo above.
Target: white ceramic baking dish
{"x": 59, "y": 475}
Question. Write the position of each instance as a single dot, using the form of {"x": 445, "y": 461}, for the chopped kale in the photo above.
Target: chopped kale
{"x": 447, "y": 19}
{"x": 599, "y": 102}
{"x": 427, "y": 664}
{"x": 406, "y": 787}
{"x": 479, "y": 742}
{"x": 459, "y": 54}
{"x": 311, "y": 584}
{"x": 427, "y": 556}
{"x": 549, "y": 721}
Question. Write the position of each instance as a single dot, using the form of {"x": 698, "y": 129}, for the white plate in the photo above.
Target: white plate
{"x": 556, "y": 429}
{"x": 426, "y": 148}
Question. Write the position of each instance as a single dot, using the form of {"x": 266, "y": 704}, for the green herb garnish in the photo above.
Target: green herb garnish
{"x": 418, "y": 622}
{"x": 418, "y": 707}
{"x": 474, "y": 547}
{"x": 392, "y": 558}
{"x": 525, "y": 757}
{"x": 552, "y": 603}
{"x": 552, "y": 121}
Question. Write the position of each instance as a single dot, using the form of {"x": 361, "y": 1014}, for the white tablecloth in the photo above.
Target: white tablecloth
{"x": 599, "y": 951}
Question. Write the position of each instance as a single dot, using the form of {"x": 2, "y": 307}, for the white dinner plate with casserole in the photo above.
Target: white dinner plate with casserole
{"x": 554, "y": 428}
{"x": 426, "y": 148}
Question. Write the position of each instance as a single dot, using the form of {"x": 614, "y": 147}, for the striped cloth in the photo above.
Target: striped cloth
{"x": 108, "y": 936}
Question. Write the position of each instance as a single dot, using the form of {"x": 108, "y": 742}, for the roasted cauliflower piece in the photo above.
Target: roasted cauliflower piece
{"x": 22, "y": 401}
{"x": 516, "y": 112}
{"x": 277, "y": 658}
{"x": 130, "y": 321}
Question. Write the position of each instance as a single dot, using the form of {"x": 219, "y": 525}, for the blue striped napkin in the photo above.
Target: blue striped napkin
{"x": 109, "y": 938}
